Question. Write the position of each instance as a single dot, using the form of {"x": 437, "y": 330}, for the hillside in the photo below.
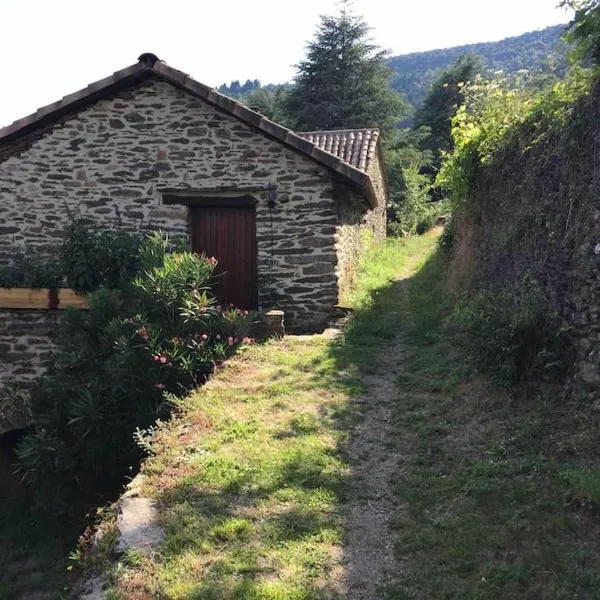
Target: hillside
{"x": 413, "y": 73}
{"x": 537, "y": 50}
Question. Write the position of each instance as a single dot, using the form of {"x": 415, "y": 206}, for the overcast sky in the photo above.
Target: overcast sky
{"x": 51, "y": 48}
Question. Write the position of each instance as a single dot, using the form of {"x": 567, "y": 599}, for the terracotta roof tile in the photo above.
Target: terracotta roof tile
{"x": 355, "y": 147}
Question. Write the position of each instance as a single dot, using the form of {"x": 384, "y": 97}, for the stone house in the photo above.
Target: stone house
{"x": 150, "y": 148}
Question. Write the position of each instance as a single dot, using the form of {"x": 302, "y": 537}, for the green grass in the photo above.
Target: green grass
{"x": 252, "y": 479}
{"x": 501, "y": 491}
{"x": 378, "y": 309}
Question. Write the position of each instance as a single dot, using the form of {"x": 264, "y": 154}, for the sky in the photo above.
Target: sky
{"x": 53, "y": 48}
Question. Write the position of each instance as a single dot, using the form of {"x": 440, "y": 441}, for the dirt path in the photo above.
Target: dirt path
{"x": 369, "y": 553}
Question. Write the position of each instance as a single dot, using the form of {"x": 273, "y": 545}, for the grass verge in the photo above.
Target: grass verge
{"x": 499, "y": 490}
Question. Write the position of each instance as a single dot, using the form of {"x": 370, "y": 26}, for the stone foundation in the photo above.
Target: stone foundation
{"x": 25, "y": 344}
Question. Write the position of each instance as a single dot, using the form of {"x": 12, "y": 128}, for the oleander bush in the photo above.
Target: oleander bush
{"x": 89, "y": 258}
{"x": 149, "y": 339}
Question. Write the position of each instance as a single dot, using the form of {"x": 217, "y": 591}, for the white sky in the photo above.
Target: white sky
{"x": 51, "y": 48}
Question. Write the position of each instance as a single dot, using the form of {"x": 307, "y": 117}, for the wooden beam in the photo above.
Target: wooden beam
{"x": 205, "y": 200}
{"x": 42, "y": 299}
{"x": 68, "y": 297}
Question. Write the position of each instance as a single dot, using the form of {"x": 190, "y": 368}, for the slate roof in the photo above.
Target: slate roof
{"x": 356, "y": 147}
{"x": 21, "y": 134}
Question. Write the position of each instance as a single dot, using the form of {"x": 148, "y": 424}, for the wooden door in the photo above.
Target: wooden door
{"x": 229, "y": 234}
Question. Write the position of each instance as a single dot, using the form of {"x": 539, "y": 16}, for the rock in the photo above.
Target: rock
{"x": 93, "y": 589}
{"x": 270, "y": 325}
{"x": 138, "y": 525}
{"x": 589, "y": 373}
{"x": 331, "y": 333}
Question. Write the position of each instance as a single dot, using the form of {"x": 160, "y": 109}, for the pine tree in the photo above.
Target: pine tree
{"x": 344, "y": 80}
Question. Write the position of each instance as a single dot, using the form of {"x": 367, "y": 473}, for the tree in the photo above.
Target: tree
{"x": 410, "y": 209}
{"x": 441, "y": 104}
{"x": 270, "y": 103}
{"x": 344, "y": 81}
{"x": 584, "y": 30}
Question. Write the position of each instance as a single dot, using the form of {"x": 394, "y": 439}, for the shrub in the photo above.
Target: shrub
{"x": 446, "y": 240}
{"x": 92, "y": 258}
{"x": 501, "y": 116}
{"x": 155, "y": 337}
{"x": 411, "y": 207}
{"x": 88, "y": 259}
{"x": 32, "y": 271}
{"x": 511, "y": 337}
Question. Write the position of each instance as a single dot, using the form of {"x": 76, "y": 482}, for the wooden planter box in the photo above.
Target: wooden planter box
{"x": 42, "y": 299}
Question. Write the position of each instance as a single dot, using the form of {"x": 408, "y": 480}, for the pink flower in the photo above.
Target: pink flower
{"x": 230, "y": 341}
{"x": 218, "y": 336}
{"x": 160, "y": 386}
{"x": 204, "y": 336}
{"x": 163, "y": 360}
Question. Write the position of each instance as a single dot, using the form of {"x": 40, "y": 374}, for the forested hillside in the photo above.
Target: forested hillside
{"x": 537, "y": 50}
{"x": 413, "y": 73}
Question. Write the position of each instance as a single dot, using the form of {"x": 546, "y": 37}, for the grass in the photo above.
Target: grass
{"x": 500, "y": 491}
{"x": 252, "y": 478}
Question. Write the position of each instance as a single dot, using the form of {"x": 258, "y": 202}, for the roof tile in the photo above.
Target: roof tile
{"x": 355, "y": 147}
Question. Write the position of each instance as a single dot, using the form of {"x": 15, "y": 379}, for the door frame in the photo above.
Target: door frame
{"x": 205, "y": 201}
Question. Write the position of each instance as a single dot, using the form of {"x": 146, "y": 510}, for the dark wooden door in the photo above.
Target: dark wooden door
{"x": 229, "y": 234}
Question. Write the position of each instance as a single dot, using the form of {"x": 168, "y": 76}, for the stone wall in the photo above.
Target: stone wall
{"x": 350, "y": 238}
{"x": 24, "y": 343}
{"x": 113, "y": 160}
{"x": 533, "y": 214}
{"x": 355, "y": 218}
{"x": 376, "y": 219}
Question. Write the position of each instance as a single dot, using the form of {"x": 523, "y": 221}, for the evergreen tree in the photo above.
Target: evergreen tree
{"x": 441, "y": 104}
{"x": 344, "y": 80}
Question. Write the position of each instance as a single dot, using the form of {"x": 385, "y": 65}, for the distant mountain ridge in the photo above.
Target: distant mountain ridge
{"x": 541, "y": 50}
{"x": 413, "y": 73}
